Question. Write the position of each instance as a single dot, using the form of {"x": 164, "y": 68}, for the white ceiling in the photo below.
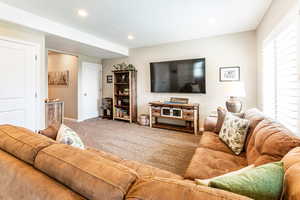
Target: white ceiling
{"x": 151, "y": 21}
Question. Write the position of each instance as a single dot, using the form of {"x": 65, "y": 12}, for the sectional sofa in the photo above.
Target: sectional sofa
{"x": 36, "y": 167}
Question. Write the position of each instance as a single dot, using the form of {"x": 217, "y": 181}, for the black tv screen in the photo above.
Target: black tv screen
{"x": 180, "y": 76}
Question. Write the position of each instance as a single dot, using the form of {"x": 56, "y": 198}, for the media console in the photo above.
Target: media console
{"x": 185, "y": 112}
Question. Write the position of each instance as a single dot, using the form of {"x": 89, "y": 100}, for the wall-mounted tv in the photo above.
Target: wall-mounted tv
{"x": 179, "y": 76}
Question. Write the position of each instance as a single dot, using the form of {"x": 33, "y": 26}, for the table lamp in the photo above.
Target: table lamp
{"x": 234, "y": 90}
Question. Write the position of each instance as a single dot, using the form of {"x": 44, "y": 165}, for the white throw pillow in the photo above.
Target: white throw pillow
{"x": 66, "y": 135}
{"x": 234, "y": 132}
{"x": 206, "y": 182}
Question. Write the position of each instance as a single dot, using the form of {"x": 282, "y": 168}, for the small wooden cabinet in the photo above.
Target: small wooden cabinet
{"x": 125, "y": 98}
{"x": 185, "y": 112}
{"x": 54, "y": 112}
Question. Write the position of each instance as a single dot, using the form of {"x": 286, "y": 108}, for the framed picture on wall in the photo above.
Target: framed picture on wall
{"x": 109, "y": 79}
{"x": 228, "y": 74}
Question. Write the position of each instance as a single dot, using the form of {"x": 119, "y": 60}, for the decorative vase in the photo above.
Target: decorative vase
{"x": 234, "y": 105}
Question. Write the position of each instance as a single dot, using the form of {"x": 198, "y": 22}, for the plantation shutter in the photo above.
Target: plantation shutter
{"x": 281, "y": 84}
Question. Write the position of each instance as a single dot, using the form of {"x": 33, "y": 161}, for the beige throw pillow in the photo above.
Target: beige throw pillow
{"x": 234, "y": 132}
{"x": 221, "y": 116}
{"x": 66, "y": 135}
{"x": 206, "y": 182}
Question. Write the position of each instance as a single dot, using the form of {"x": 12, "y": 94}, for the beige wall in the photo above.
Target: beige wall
{"x": 276, "y": 13}
{"x": 229, "y": 50}
{"x": 20, "y": 33}
{"x": 68, "y": 94}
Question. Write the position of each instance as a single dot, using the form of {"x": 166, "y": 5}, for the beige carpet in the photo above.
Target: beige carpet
{"x": 160, "y": 148}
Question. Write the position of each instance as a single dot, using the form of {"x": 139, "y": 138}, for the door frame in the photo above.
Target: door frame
{"x": 81, "y": 116}
{"x": 39, "y": 81}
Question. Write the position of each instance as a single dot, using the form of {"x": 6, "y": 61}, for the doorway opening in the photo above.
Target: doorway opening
{"x": 76, "y": 84}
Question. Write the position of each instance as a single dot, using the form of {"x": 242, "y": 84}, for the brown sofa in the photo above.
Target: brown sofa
{"x": 267, "y": 141}
{"x": 36, "y": 167}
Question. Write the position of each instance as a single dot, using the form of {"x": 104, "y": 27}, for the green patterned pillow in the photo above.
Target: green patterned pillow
{"x": 261, "y": 183}
{"x": 66, "y": 135}
{"x": 234, "y": 132}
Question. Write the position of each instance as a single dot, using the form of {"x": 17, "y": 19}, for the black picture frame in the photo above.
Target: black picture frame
{"x": 231, "y": 70}
{"x": 109, "y": 79}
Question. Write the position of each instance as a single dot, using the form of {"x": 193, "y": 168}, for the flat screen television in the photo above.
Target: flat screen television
{"x": 180, "y": 76}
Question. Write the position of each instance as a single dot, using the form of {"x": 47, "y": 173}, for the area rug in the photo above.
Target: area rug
{"x": 168, "y": 150}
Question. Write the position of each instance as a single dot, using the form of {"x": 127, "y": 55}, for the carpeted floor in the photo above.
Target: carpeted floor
{"x": 160, "y": 148}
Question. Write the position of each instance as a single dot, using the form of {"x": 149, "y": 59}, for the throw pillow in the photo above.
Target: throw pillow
{"x": 233, "y": 132}
{"x": 221, "y": 116}
{"x": 67, "y": 136}
{"x": 206, "y": 182}
{"x": 261, "y": 183}
{"x": 51, "y": 131}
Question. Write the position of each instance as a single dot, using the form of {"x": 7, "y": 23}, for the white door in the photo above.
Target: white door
{"x": 17, "y": 84}
{"x": 91, "y": 81}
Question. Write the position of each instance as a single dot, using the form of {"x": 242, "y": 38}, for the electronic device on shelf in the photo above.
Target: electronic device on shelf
{"x": 171, "y": 112}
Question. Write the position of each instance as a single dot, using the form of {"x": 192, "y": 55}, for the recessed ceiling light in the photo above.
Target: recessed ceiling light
{"x": 212, "y": 21}
{"x": 130, "y": 37}
{"x": 82, "y": 13}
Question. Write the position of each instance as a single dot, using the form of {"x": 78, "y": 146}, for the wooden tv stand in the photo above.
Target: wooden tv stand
{"x": 185, "y": 112}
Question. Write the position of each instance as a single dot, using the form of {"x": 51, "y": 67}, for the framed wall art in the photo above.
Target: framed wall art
{"x": 58, "y": 78}
{"x": 228, "y": 74}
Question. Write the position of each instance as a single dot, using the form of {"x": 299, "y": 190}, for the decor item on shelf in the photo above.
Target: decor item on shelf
{"x": 109, "y": 79}
{"x": 228, "y": 74}
{"x": 124, "y": 66}
{"x": 234, "y": 90}
{"x": 58, "y": 78}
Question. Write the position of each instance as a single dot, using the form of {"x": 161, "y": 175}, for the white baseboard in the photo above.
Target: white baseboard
{"x": 71, "y": 119}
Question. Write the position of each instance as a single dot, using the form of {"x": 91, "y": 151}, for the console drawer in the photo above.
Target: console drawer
{"x": 156, "y": 111}
{"x": 188, "y": 115}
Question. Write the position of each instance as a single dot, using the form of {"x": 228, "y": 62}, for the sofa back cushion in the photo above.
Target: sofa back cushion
{"x": 88, "y": 174}
{"x": 270, "y": 141}
{"x": 291, "y": 163}
{"x": 255, "y": 117}
{"x": 21, "y": 181}
{"x": 171, "y": 189}
{"x": 22, "y": 143}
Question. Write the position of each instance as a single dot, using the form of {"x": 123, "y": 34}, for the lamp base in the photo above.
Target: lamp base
{"x": 234, "y": 105}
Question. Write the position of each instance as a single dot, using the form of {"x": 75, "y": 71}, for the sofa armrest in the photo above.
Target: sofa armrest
{"x": 210, "y": 123}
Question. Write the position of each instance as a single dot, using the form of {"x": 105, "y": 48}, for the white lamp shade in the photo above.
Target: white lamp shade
{"x": 234, "y": 89}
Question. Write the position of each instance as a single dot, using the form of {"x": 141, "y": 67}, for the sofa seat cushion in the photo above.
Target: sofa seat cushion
{"x": 144, "y": 170}
{"x": 92, "y": 176}
{"x": 270, "y": 142}
{"x": 172, "y": 189}
{"x": 22, "y": 143}
{"x": 21, "y": 181}
{"x": 212, "y": 141}
{"x": 207, "y": 163}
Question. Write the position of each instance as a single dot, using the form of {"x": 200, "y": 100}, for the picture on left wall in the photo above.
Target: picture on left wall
{"x": 60, "y": 78}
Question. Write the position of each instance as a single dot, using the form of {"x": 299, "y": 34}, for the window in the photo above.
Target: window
{"x": 281, "y": 84}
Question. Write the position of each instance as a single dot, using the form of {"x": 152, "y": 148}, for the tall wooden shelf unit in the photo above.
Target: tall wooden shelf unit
{"x": 125, "y": 97}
